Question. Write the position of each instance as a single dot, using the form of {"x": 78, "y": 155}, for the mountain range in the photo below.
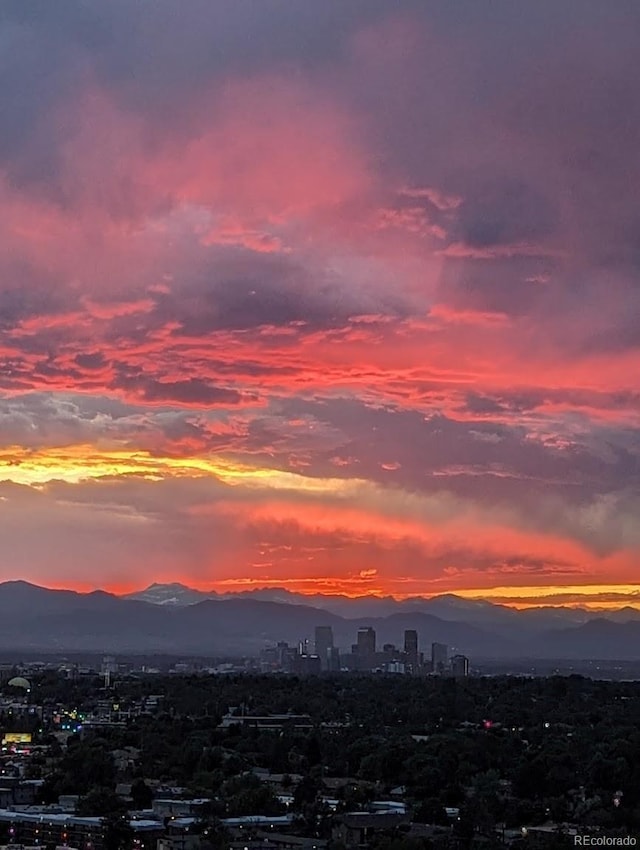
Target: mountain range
{"x": 177, "y": 620}
{"x": 447, "y": 606}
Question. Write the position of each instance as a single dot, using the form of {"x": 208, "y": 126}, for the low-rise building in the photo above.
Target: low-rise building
{"x": 267, "y": 722}
{"x": 169, "y": 807}
{"x": 283, "y": 841}
{"x": 47, "y": 828}
{"x": 358, "y": 829}
{"x": 239, "y": 825}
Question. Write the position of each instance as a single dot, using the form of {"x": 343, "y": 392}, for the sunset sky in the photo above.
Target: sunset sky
{"x": 332, "y": 296}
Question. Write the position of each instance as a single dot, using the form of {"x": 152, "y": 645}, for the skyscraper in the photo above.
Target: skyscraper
{"x": 366, "y": 641}
{"x": 304, "y": 647}
{"x": 366, "y": 648}
{"x": 460, "y": 666}
{"x": 334, "y": 660}
{"x": 411, "y": 649}
{"x": 439, "y": 657}
{"x": 108, "y": 668}
{"x": 324, "y": 645}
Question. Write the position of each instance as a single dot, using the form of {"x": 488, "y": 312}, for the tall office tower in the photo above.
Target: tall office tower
{"x": 411, "y": 649}
{"x": 439, "y": 657}
{"x": 460, "y": 666}
{"x": 109, "y": 667}
{"x": 283, "y": 653}
{"x": 366, "y": 648}
{"x": 366, "y": 641}
{"x": 333, "y": 663}
{"x": 304, "y": 647}
{"x": 324, "y": 645}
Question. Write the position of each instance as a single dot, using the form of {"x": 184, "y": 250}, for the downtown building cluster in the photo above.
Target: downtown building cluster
{"x": 322, "y": 655}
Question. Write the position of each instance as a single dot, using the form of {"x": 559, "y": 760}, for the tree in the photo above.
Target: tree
{"x": 141, "y": 794}
{"x": 100, "y": 802}
{"x": 305, "y": 792}
{"x": 313, "y": 751}
{"x": 87, "y": 764}
{"x": 253, "y": 801}
{"x": 118, "y": 833}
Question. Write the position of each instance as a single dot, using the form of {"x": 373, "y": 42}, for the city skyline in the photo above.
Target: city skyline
{"x": 335, "y": 298}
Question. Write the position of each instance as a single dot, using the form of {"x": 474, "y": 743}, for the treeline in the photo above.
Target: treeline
{"x": 503, "y": 750}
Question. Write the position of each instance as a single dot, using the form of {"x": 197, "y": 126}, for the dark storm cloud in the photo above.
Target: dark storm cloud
{"x": 237, "y": 289}
{"x": 90, "y": 361}
{"x": 264, "y": 292}
{"x": 150, "y": 55}
{"x": 19, "y": 300}
{"x": 39, "y": 72}
{"x": 192, "y": 391}
{"x": 517, "y": 402}
{"x": 504, "y": 212}
{"x": 151, "y": 58}
{"x": 490, "y": 460}
{"x": 41, "y": 420}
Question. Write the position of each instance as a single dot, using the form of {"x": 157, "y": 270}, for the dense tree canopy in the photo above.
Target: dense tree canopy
{"x": 504, "y": 751}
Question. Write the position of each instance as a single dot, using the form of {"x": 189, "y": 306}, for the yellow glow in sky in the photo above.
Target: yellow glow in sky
{"x": 585, "y": 595}
{"x": 83, "y": 463}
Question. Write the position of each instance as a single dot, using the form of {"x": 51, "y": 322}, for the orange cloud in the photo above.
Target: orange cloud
{"x": 314, "y": 241}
